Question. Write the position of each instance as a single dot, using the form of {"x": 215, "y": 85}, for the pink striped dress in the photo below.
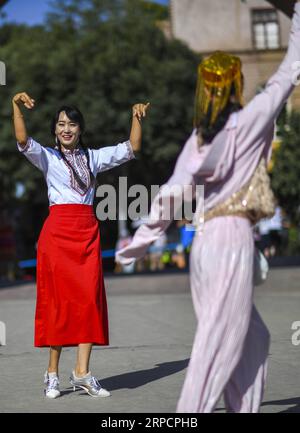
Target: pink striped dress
{"x": 231, "y": 344}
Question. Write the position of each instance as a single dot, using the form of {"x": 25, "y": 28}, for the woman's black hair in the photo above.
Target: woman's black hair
{"x": 74, "y": 114}
{"x": 207, "y": 131}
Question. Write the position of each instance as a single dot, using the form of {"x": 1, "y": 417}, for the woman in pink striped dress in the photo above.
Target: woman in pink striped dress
{"x": 227, "y": 152}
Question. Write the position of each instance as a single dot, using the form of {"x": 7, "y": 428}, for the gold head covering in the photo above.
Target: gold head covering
{"x": 216, "y": 75}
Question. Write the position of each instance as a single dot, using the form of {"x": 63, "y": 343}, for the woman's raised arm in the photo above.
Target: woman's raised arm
{"x": 19, "y": 124}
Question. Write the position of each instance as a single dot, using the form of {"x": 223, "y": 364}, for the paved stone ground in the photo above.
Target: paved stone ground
{"x": 152, "y": 325}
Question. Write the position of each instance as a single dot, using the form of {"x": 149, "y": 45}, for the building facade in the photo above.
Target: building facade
{"x": 251, "y": 29}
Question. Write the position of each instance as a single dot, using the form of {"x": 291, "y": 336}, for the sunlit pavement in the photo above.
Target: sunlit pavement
{"x": 152, "y": 325}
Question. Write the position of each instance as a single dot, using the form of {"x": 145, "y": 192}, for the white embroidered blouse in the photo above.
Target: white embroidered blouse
{"x": 62, "y": 185}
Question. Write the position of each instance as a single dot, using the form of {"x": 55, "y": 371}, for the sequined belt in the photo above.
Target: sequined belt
{"x": 213, "y": 214}
{"x": 253, "y": 201}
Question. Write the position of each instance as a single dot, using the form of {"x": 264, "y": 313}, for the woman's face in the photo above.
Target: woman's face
{"x": 67, "y": 131}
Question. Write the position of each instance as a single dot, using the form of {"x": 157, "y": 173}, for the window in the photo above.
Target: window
{"x": 265, "y": 27}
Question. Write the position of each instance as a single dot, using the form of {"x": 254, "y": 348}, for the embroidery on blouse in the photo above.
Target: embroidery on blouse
{"x": 78, "y": 160}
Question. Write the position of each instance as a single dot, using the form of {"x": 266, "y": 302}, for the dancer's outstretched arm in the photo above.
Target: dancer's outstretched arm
{"x": 166, "y": 203}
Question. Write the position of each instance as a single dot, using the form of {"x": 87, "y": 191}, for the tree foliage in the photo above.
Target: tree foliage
{"x": 286, "y": 170}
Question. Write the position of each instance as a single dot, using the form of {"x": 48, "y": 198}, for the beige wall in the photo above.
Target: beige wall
{"x": 258, "y": 68}
{"x": 209, "y": 25}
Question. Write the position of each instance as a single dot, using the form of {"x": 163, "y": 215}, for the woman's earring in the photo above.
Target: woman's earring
{"x": 56, "y": 140}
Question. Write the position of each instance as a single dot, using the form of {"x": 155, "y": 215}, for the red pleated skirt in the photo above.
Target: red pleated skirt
{"x": 71, "y": 303}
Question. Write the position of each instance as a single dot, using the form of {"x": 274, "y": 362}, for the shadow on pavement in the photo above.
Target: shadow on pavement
{"x": 135, "y": 379}
{"x": 289, "y": 401}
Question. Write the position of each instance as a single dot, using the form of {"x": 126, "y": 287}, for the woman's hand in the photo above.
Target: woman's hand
{"x": 25, "y": 99}
{"x": 139, "y": 110}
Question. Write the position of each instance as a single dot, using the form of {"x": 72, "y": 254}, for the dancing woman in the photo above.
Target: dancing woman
{"x": 227, "y": 152}
{"x": 71, "y": 307}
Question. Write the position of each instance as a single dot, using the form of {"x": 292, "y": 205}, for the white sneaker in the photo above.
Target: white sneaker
{"x": 90, "y": 384}
{"x": 52, "y": 382}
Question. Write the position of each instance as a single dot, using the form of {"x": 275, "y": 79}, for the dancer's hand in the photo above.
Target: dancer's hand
{"x": 25, "y": 99}
{"x": 139, "y": 110}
